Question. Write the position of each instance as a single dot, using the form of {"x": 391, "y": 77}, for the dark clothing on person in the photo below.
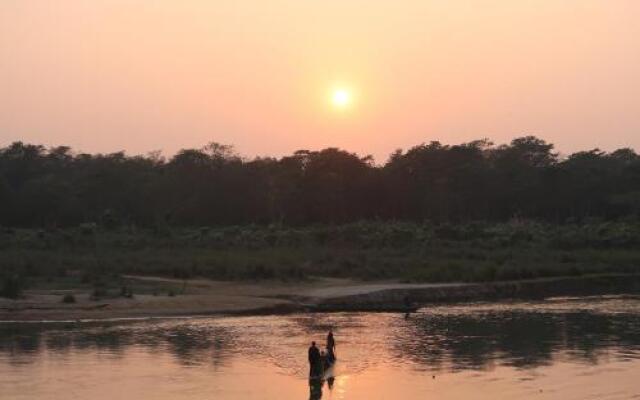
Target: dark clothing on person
{"x": 323, "y": 361}
{"x": 330, "y": 357}
{"x": 331, "y": 343}
{"x": 314, "y": 354}
{"x": 315, "y": 363}
{"x": 315, "y": 389}
{"x": 330, "y": 382}
{"x": 331, "y": 349}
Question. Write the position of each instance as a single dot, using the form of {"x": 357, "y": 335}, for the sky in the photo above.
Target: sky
{"x": 143, "y": 75}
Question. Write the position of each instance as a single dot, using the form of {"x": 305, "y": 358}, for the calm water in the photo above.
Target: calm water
{"x": 560, "y": 349}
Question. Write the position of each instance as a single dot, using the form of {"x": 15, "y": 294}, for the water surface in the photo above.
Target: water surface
{"x": 585, "y": 348}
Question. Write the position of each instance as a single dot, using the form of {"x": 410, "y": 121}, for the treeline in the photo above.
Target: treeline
{"x": 215, "y": 186}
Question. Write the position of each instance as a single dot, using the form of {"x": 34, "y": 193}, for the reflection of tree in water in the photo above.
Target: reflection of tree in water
{"x": 59, "y": 343}
{"x": 21, "y": 343}
{"x": 199, "y": 345}
{"x": 589, "y": 334}
{"x": 108, "y": 341}
{"x": 435, "y": 340}
{"x": 190, "y": 344}
{"x": 517, "y": 338}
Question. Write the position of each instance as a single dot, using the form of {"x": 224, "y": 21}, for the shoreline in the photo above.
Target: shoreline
{"x": 212, "y": 298}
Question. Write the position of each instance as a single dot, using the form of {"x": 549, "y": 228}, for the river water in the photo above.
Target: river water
{"x": 571, "y": 348}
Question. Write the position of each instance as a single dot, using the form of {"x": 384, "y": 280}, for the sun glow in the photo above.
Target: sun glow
{"x": 341, "y": 98}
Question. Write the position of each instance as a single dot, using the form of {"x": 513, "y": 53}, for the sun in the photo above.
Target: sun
{"x": 341, "y": 98}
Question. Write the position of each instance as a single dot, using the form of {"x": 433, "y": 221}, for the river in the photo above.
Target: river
{"x": 564, "y": 348}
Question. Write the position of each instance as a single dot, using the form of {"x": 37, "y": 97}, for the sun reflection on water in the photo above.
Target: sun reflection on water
{"x": 515, "y": 349}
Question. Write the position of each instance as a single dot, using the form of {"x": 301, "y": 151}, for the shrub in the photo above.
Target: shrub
{"x": 69, "y": 298}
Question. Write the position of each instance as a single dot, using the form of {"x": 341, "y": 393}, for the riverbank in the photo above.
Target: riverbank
{"x": 208, "y": 297}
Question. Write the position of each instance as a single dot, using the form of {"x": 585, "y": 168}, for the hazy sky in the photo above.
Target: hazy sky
{"x": 142, "y": 75}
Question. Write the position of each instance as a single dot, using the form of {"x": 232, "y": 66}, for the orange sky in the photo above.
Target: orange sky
{"x": 139, "y": 75}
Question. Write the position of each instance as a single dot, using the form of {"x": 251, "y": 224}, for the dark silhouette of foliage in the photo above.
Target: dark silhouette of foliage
{"x": 69, "y": 298}
{"x": 56, "y": 187}
{"x": 12, "y": 285}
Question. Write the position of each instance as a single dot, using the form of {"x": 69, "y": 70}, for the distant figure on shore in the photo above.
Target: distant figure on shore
{"x": 315, "y": 362}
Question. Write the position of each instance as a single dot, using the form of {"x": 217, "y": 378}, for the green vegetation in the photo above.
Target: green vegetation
{"x": 469, "y": 252}
{"x": 86, "y": 220}
{"x": 214, "y": 186}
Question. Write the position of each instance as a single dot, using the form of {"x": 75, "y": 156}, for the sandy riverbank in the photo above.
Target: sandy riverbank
{"x": 207, "y": 297}
{"x": 200, "y": 296}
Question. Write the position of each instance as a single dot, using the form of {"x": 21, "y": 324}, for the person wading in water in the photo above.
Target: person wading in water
{"x": 315, "y": 365}
{"x": 331, "y": 343}
{"x": 331, "y": 348}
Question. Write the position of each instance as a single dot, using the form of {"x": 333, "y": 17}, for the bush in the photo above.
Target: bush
{"x": 69, "y": 298}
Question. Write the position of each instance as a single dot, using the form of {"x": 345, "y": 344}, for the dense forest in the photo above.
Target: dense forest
{"x": 57, "y": 187}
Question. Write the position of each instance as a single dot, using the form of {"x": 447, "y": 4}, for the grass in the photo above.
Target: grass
{"x": 97, "y": 258}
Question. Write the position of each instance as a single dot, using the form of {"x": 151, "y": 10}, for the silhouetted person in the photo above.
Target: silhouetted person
{"x": 331, "y": 343}
{"x": 315, "y": 363}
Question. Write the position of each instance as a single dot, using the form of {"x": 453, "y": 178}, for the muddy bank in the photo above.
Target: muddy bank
{"x": 196, "y": 297}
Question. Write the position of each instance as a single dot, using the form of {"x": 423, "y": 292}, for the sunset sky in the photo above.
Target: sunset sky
{"x": 271, "y": 77}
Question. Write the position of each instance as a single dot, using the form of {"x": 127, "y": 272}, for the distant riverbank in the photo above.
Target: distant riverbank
{"x": 90, "y": 271}
{"x": 207, "y": 297}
